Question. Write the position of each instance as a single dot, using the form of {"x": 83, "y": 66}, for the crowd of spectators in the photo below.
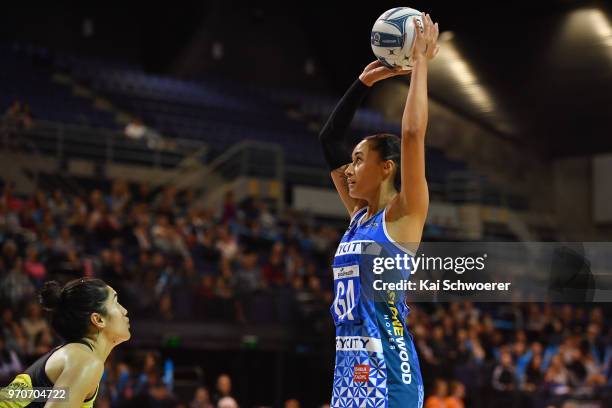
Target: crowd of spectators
{"x": 243, "y": 264}
{"x": 511, "y": 355}
{"x": 248, "y": 264}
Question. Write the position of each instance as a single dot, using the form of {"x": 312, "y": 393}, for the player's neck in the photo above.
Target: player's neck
{"x": 382, "y": 199}
{"x": 102, "y": 346}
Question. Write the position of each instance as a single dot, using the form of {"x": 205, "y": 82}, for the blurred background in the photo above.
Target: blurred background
{"x": 172, "y": 151}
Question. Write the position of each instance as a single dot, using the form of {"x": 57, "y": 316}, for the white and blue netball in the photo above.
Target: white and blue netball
{"x": 393, "y": 35}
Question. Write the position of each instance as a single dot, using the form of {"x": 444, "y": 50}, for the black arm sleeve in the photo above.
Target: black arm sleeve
{"x": 334, "y": 135}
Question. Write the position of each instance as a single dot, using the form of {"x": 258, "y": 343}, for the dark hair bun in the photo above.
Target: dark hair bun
{"x": 50, "y": 295}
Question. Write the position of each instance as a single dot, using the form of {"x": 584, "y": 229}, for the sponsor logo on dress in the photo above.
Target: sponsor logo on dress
{"x": 358, "y": 343}
{"x": 349, "y": 271}
{"x": 395, "y": 331}
{"x": 361, "y": 373}
{"x": 356, "y": 247}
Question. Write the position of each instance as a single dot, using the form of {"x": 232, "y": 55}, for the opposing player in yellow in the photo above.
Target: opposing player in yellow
{"x": 89, "y": 317}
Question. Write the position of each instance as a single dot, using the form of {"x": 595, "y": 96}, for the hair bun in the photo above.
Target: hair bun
{"x": 50, "y": 296}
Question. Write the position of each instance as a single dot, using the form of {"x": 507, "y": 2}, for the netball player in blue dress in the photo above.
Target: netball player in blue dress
{"x": 383, "y": 187}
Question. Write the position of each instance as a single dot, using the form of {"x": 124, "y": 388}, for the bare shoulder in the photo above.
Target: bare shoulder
{"x": 76, "y": 359}
{"x": 78, "y": 370}
{"x": 83, "y": 357}
{"x": 76, "y": 351}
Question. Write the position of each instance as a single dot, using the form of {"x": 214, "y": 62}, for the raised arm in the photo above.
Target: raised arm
{"x": 414, "y": 194}
{"x": 334, "y": 137}
{"x": 334, "y": 140}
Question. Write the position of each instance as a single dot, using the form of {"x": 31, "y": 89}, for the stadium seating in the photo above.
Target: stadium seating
{"x": 28, "y": 78}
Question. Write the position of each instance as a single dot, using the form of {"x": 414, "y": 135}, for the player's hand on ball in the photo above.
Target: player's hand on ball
{"x": 426, "y": 41}
{"x": 376, "y": 71}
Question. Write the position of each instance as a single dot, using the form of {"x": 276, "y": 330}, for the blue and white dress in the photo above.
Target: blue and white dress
{"x": 376, "y": 361}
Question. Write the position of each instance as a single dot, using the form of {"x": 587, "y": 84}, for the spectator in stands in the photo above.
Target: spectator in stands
{"x": 120, "y": 196}
{"x": 58, "y": 205}
{"x": 274, "y": 270}
{"x": 33, "y": 267}
{"x": 558, "y": 379}
{"x": 38, "y": 202}
{"x": 201, "y": 398}
{"x": 576, "y": 367}
{"x": 223, "y": 388}
{"x": 227, "y": 244}
{"x": 456, "y": 396}
{"x": 167, "y": 239}
{"x": 26, "y": 116}
{"x": 166, "y": 203}
{"x": 15, "y": 286}
{"x": 533, "y": 374}
{"x": 504, "y": 379}
{"x": 594, "y": 372}
{"x": 34, "y": 325}
{"x": 9, "y": 254}
{"x": 11, "y": 201}
{"x": 12, "y": 113}
{"x": 294, "y": 262}
{"x": 116, "y": 382}
{"x": 229, "y": 208}
{"x": 319, "y": 298}
{"x": 10, "y": 365}
{"x": 532, "y": 382}
{"x": 150, "y": 390}
{"x": 43, "y": 343}
{"x": 65, "y": 243}
{"x": 157, "y": 394}
{"x": 135, "y": 129}
{"x": 436, "y": 400}
{"x": 17, "y": 116}
{"x": 593, "y": 342}
{"x": 12, "y": 332}
{"x": 474, "y": 344}
{"x": 206, "y": 288}
{"x": 227, "y": 402}
{"x": 245, "y": 282}
{"x": 26, "y": 218}
{"x": 292, "y": 403}
{"x": 112, "y": 269}
{"x": 165, "y": 307}
{"x": 267, "y": 221}
{"x": 440, "y": 349}
{"x": 143, "y": 196}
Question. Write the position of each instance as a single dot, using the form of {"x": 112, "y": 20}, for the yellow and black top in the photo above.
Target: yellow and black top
{"x": 35, "y": 377}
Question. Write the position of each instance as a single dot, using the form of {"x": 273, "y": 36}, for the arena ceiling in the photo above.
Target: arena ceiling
{"x": 538, "y": 72}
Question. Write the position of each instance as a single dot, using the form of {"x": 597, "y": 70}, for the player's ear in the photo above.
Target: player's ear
{"x": 388, "y": 165}
{"x": 97, "y": 320}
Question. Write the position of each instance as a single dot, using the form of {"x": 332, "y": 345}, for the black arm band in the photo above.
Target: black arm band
{"x": 334, "y": 135}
